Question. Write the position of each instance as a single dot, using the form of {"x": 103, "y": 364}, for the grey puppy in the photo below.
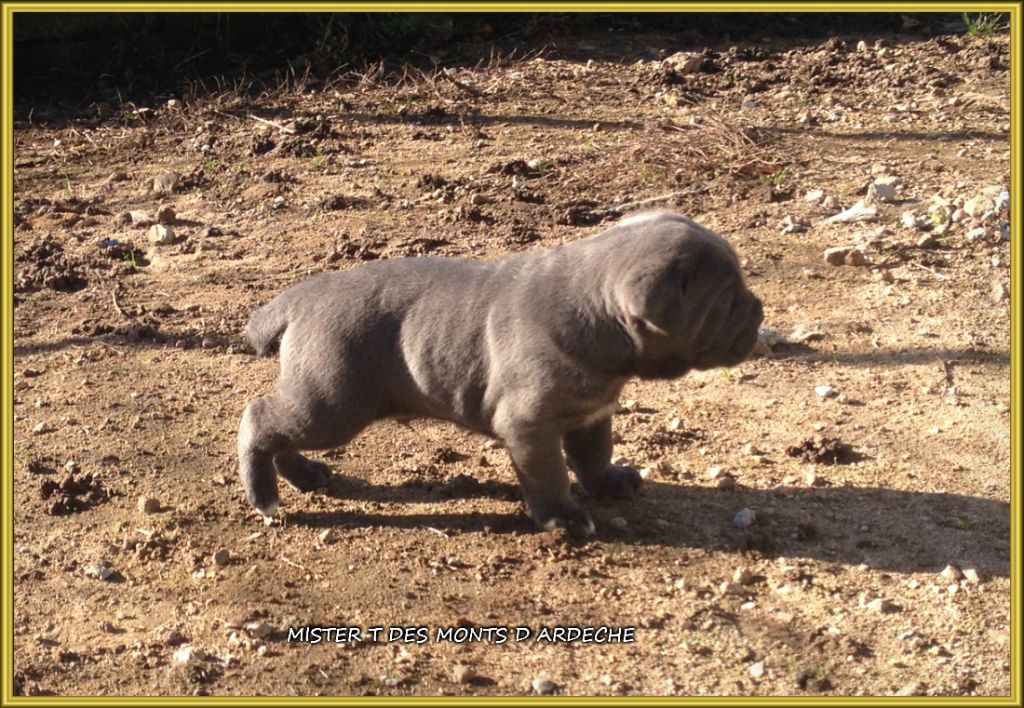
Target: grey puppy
{"x": 532, "y": 349}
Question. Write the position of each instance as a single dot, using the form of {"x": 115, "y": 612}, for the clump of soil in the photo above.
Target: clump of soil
{"x": 46, "y": 265}
{"x": 823, "y": 449}
{"x": 74, "y": 493}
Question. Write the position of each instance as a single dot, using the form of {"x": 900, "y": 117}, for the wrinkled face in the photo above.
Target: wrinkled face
{"x": 686, "y": 304}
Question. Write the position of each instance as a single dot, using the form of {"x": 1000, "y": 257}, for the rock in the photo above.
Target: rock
{"x": 971, "y": 576}
{"x": 716, "y": 472}
{"x": 978, "y": 206}
{"x": 1000, "y": 293}
{"x": 463, "y": 673}
{"x": 952, "y": 573}
{"x": 618, "y": 523}
{"x": 791, "y": 225}
{"x": 883, "y": 189}
{"x": 1004, "y": 231}
{"x": 100, "y": 571}
{"x": 165, "y": 214}
{"x": 912, "y": 219}
{"x": 744, "y": 518}
{"x": 221, "y": 557}
{"x": 166, "y": 182}
{"x": 826, "y": 391}
{"x": 975, "y": 234}
{"x": 161, "y": 235}
{"x": 186, "y": 654}
{"x": 148, "y": 505}
{"x": 732, "y": 589}
{"x": 260, "y": 630}
{"x": 858, "y": 212}
{"x": 543, "y": 687}
{"x": 882, "y": 605}
{"x": 914, "y": 688}
{"x": 41, "y": 428}
{"x": 862, "y": 46}
{"x": 684, "y": 62}
{"x": 830, "y": 203}
{"x": 804, "y": 333}
{"x": 836, "y": 256}
{"x": 756, "y": 669}
{"x": 748, "y": 105}
{"x": 814, "y": 195}
{"x": 927, "y": 241}
{"x": 1002, "y": 202}
{"x": 856, "y": 257}
{"x": 743, "y": 576}
{"x": 140, "y": 219}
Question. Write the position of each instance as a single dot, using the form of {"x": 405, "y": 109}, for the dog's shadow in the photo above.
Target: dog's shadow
{"x": 886, "y": 529}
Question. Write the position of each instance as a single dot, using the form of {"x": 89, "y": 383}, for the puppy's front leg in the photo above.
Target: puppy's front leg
{"x": 589, "y": 453}
{"x": 545, "y": 481}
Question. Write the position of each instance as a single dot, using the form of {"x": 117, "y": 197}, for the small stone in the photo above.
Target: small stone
{"x": 148, "y": 505}
{"x": 463, "y": 673}
{"x": 186, "y": 654}
{"x": 732, "y": 589}
{"x": 140, "y": 219}
{"x": 830, "y": 203}
{"x": 165, "y": 214}
{"x": 479, "y": 199}
{"x": 914, "y": 688}
{"x": 792, "y": 225}
{"x": 883, "y": 189}
{"x": 221, "y": 557}
{"x": 166, "y": 182}
{"x": 99, "y": 571}
{"x": 744, "y": 518}
{"x": 715, "y": 472}
{"x": 975, "y": 234}
{"x": 927, "y": 241}
{"x": 543, "y": 687}
{"x": 836, "y": 256}
{"x": 756, "y": 669}
{"x": 161, "y": 235}
{"x": 855, "y": 257}
{"x": 41, "y": 427}
{"x": 260, "y": 630}
{"x": 814, "y": 195}
{"x": 971, "y": 576}
{"x": 883, "y": 606}
{"x": 1000, "y": 293}
{"x": 743, "y": 576}
{"x": 684, "y": 62}
{"x": 951, "y": 572}
{"x": 726, "y": 483}
{"x": 862, "y": 46}
{"x": 618, "y": 523}
{"x": 826, "y": 391}
{"x": 748, "y": 105}
{"x": 858, "y": 212}
{"x": 977, "y": 206}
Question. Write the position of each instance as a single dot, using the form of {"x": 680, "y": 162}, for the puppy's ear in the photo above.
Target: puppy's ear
{"x": 653, "y": 298}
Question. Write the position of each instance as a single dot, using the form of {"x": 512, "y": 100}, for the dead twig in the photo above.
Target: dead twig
{"x": 282, "y": 128}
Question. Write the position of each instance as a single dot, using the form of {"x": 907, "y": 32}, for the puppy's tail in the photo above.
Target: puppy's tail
{"x": 265, "y": 326}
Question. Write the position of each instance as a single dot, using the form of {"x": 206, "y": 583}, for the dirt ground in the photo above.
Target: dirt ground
{"x": 878, "y": 559}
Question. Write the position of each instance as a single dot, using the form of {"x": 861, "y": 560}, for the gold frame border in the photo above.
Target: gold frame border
{"x": 7, "y": 11}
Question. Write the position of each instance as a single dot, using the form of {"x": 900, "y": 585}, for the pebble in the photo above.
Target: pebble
{"x": 165, "y": 214}
{"x": 971, "y": 575}
{"x": 911, "y": 219}
{"x": 715, "y": 472}
{"x": 830, "y": 203}
{"x": 1004, "y": 231}
{"x": 858, "y": 212}
{"x": 748, "y": 105}
{"x": 732, "y": 589}
{"x": 221, "y": 557}
{"x": 914, "y": 688}
{"x": 98, "y": 571}
{"x": 40, "y": 428}
{"x": 883, "y": 189}
{"x": 976, "y": 233}
{"x": 148, "y": 505}
{"x": 543, "y": 687}
{"x": 951, "y": 572}
{"x": 684, "y": 62}
{"x": 743, "y": 576}
{"x": 882, "y": 605}
{"x": 814, "y": 195}
{"x": 756, "y": 669}
{"x": 862, "y": 46}
{"x": 260, "y": 630}
{"x": 161, "y": 235}
{"x": 618, "y": 523}
{"x": 927, "y": 241}
{"x": 791, "y": 225}
{"x": 999, "y": 292}
{"x": 140, "y": 219}
{"x": 845, "y": 255}
{"x": 978, "y": 205}
{"x": 826, "y": 391}
{"x": 744, "y": 517}
{"x": 166, "y": 182}
{"x": 463, "y": 673}
{"x": 186, "y": 653}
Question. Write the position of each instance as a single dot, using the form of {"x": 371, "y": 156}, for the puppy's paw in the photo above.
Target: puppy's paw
{"x": 619, "y": 482}
{"x": 304, "y": 474}
{"x": 567, "y": 515}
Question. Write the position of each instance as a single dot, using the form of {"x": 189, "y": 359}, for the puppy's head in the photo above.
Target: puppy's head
{"x": 681, "y": 297}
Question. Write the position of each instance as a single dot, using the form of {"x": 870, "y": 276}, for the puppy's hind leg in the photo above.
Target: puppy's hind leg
{"x": 261, "y": 436}
{"x": 302, "y": 473}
